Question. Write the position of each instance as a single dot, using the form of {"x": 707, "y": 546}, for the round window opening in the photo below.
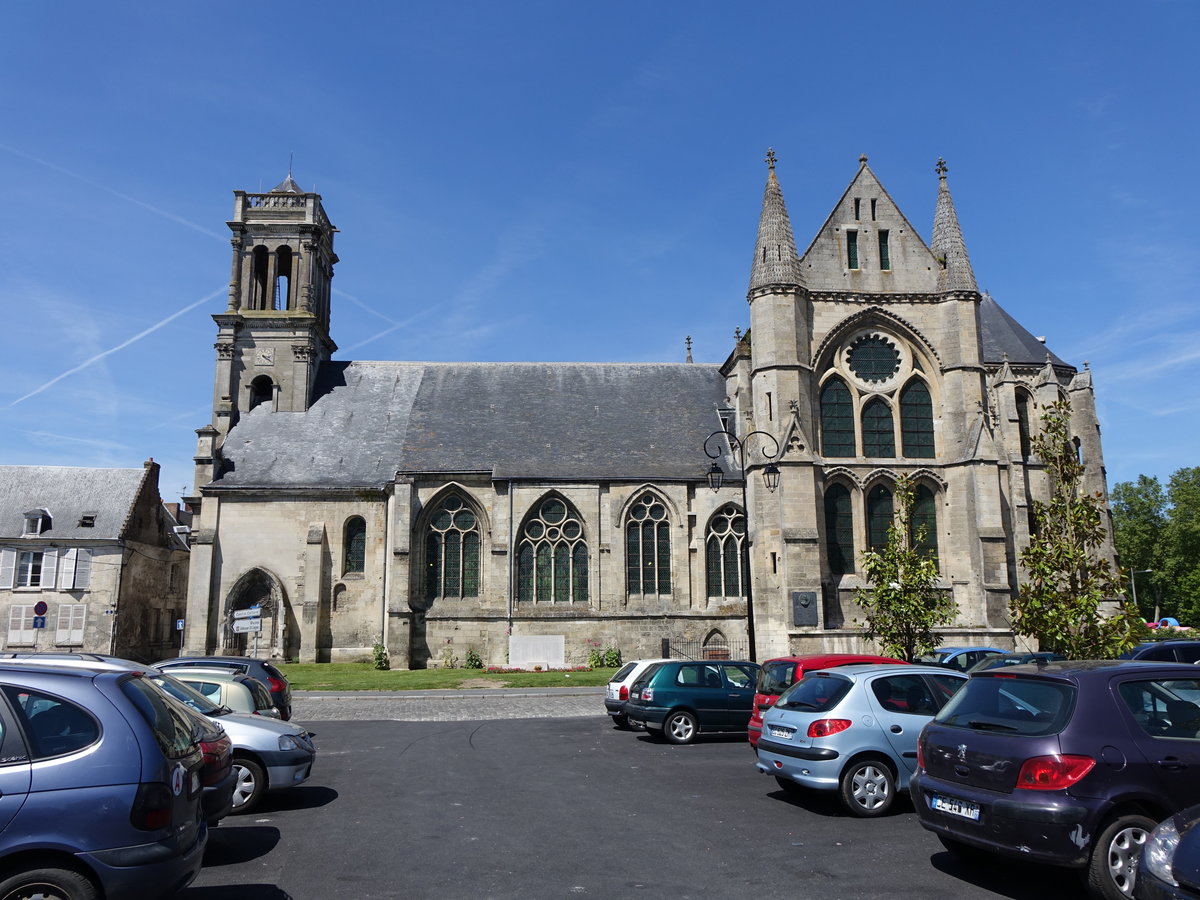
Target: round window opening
{"x": 874, "y": 359}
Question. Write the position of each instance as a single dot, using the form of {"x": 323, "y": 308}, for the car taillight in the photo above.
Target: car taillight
{"x": 624, "y": 692}
{"x": 276, "y": 686}
{"x": 1053, "y": 773}
{"x": 218, "y": 757}
{"x": 920, "y": 756}
{"x": 151, "y": 807}
{"x": 826, "y": 727}
{"x": 647, "y": 694}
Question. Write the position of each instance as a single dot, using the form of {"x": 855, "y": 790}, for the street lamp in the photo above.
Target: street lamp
{"x": 716, "y": 477}
{"x": 1133, "y": 587}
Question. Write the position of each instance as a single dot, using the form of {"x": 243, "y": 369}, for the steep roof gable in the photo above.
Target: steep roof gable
{"x": 878, "y": 226}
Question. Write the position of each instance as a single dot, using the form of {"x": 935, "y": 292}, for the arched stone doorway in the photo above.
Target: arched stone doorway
{"x": 260, "y": 588}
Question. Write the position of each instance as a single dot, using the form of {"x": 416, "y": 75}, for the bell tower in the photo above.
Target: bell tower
{"x": 274, "y": 334}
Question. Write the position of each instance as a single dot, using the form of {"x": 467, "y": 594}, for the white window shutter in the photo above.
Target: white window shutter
{"x": 8, "y": 564}
{"x": 63, "y": 632}
{"x": 77, "y": 618}
{"x": 20, "y": 625}
{"x": 49, "y": 570}
{"x": 83, "y": 569}
{"x": 66, "y": 570}
{"x": 70, "y": 623}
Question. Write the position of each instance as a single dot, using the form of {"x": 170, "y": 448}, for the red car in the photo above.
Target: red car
{"x": 777, "y": 675}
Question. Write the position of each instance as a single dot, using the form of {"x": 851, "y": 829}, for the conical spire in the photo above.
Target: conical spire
{"x": 287, "y": 186}
{"x": 775, "y": 258}
{"x": 948, "y": 245}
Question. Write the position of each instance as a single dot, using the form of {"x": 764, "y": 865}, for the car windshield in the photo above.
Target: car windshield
{"x": 1026, "y": 706}
{"x": 191, "y": 697}
{"x": 776, "y": 677}
{"x": 815, "y": 692}
{"x": 933, "y": 659}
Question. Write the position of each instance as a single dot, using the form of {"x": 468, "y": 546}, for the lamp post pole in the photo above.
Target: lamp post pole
{"x": 1133, "y": 587}
{"x": 716, "y": 476}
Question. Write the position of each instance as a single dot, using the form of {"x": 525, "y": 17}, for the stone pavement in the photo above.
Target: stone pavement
{"x": 448, "y": 706}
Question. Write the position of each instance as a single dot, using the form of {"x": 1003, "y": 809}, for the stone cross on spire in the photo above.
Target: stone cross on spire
{"x": 770, "y": 158}
{"x": 941, "y": 168}
{"x": 688, "y": 341}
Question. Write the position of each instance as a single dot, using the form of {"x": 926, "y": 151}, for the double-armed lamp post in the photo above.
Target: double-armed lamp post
{"x": 716, "y": 476}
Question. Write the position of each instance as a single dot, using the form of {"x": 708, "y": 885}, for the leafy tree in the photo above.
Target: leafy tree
{"x": 903, "y": 604}
{"x": 1067, "y": 576}
{"x": 1139, "y": 513}
{"x": 1181, "y": 545}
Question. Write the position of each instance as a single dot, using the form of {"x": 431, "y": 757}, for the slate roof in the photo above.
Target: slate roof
{"x": 68, "y": 493}
{"x": 551, "y": 421}
{"x": 1001, "y": 334}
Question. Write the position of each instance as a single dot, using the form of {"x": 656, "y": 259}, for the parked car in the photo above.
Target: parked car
{"x": 679, "y": 699}
{"x": 777, "y": 675}
{"x": 1169, "y": 867}
{"x": 263, "y": 670}
{"x": 959, "y": 658}
{"x": 616, "y": 694}
{"x": 101, "y": 785}
{"x": 1166, "y": 651}
{"x": 240, "y": 692}
{"x": 217, "y": 779}
{"x": 853, "y": 729}
{"x": 267, "y": 754}
{"x": 1068, "y": 763}
{"x": 1013, "y": 659}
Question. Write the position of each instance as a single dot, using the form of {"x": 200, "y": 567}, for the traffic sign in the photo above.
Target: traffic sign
{"x": 179, "y": 624}
{"x": 252, "y": 613}
{"x": 40, "y": 608}
{"x": 244, "y": 626}
{"x": 39, "y": 621}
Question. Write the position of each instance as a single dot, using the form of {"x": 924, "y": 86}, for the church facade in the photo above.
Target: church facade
{"x": 443, "y": 508}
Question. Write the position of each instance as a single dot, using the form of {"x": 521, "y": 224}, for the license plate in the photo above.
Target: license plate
{"x": 785, "y": 733}
{"x": 954, "y": 807}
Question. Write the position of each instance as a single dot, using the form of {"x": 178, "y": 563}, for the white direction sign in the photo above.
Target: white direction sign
{"x": 244, "y": 626}
{"x": 252, "y": 613}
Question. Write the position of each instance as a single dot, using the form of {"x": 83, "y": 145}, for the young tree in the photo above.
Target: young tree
{"x": 903, "y": 604}
{"x": 1066, "y": 576}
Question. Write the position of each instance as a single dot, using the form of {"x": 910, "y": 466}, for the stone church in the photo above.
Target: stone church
{"x": 442, "y": 508}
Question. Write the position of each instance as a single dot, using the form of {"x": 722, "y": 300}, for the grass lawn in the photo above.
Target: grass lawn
{"x": 365, "y": 677}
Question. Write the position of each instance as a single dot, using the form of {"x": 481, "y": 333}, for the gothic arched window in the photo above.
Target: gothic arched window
{"x": 924, "y": 515}
{"x": 839, "y": 529}
{"x": 262, "y": 390}
{"x": 452, "y": 551}
{"x": 879, "y": 437}
{"x": 354, "y": 545}
{"x": 283, "y": 279}
{"x": 552, "y": 555}
{"x": 1024, "y": 403}
{"x": 879, "y": 516}
{"x": 648, "y": 547}
{"x": 723, "y": 553}
{"x": 258, "y": 278}
{"x": 916, "y": 420}
{"x": 837, "y": 419}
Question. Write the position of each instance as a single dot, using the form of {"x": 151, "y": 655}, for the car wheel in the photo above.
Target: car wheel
{"x": 1113, "y": 866}
{"x": 680, "y": 727}
{"x": 250, "y": 782}
{"x": 868, "y": 788}
{"x": 48, "y": 884}
{"x": 788, "y": 786}
{"x": 622, "y": 722}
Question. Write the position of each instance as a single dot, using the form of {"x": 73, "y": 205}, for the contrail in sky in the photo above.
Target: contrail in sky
{"x": 126, "y": 197}
{"x": 120, "y": 346}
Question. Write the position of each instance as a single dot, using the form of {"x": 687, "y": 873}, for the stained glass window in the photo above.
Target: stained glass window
{"x": 452, "y": 551}
{"x": 552, "y": 555}
{"x": 879, "y": 437}
{"x": 885, "y": 256}
{"x": 1024, "y": 401}
{"x": 837, "y": 419}
{"x": 879, "y": 516}
{"x": 648, "y": 547}
{"x": 839, "y": 529}
{"x": 355, "y": 544}
{"x": 924, "y": 522}
{"x": 724, "y": 553}
{"x": 916, "y": 420}
{"x": 852, "y": 249}
{"x": 874, "y": 359}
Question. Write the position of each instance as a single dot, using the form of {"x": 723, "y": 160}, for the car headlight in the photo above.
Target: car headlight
{"x": 1159, "y": 851}
{"x": 288, "y": 742}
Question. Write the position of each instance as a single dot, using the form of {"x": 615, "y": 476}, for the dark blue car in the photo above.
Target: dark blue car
{"x": 1066, "y": 763}
{"x": 100, "y": 786}
{"x": 680, "y": 698}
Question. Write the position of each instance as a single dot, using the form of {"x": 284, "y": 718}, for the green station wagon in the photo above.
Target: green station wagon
{"x": 681, "y": 698}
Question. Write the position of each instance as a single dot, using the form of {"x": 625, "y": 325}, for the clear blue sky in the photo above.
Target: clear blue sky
{"x": 565, "y": 181}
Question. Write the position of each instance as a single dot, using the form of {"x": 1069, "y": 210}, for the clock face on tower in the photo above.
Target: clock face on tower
{"x": 264, "y": 356}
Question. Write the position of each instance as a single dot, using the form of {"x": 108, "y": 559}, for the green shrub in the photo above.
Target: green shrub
{"x": 595, "y": 658}
{"x": 474, "y": 661}
{"x": 611, "y": 658}
{"x": 380, "y": 655}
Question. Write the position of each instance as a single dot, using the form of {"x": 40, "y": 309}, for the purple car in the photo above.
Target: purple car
{"x": 1066, "y": 763}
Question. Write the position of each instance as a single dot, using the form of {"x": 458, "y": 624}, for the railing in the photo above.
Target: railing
{"x": 275, "y": 201}
{"x": 674, "y": 648}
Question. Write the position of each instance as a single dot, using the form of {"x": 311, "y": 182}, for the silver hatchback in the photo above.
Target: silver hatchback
{"x": 853, "y": 729}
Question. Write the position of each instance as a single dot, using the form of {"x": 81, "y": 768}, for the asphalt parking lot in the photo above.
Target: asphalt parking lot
{"x": 564, "y": 805}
